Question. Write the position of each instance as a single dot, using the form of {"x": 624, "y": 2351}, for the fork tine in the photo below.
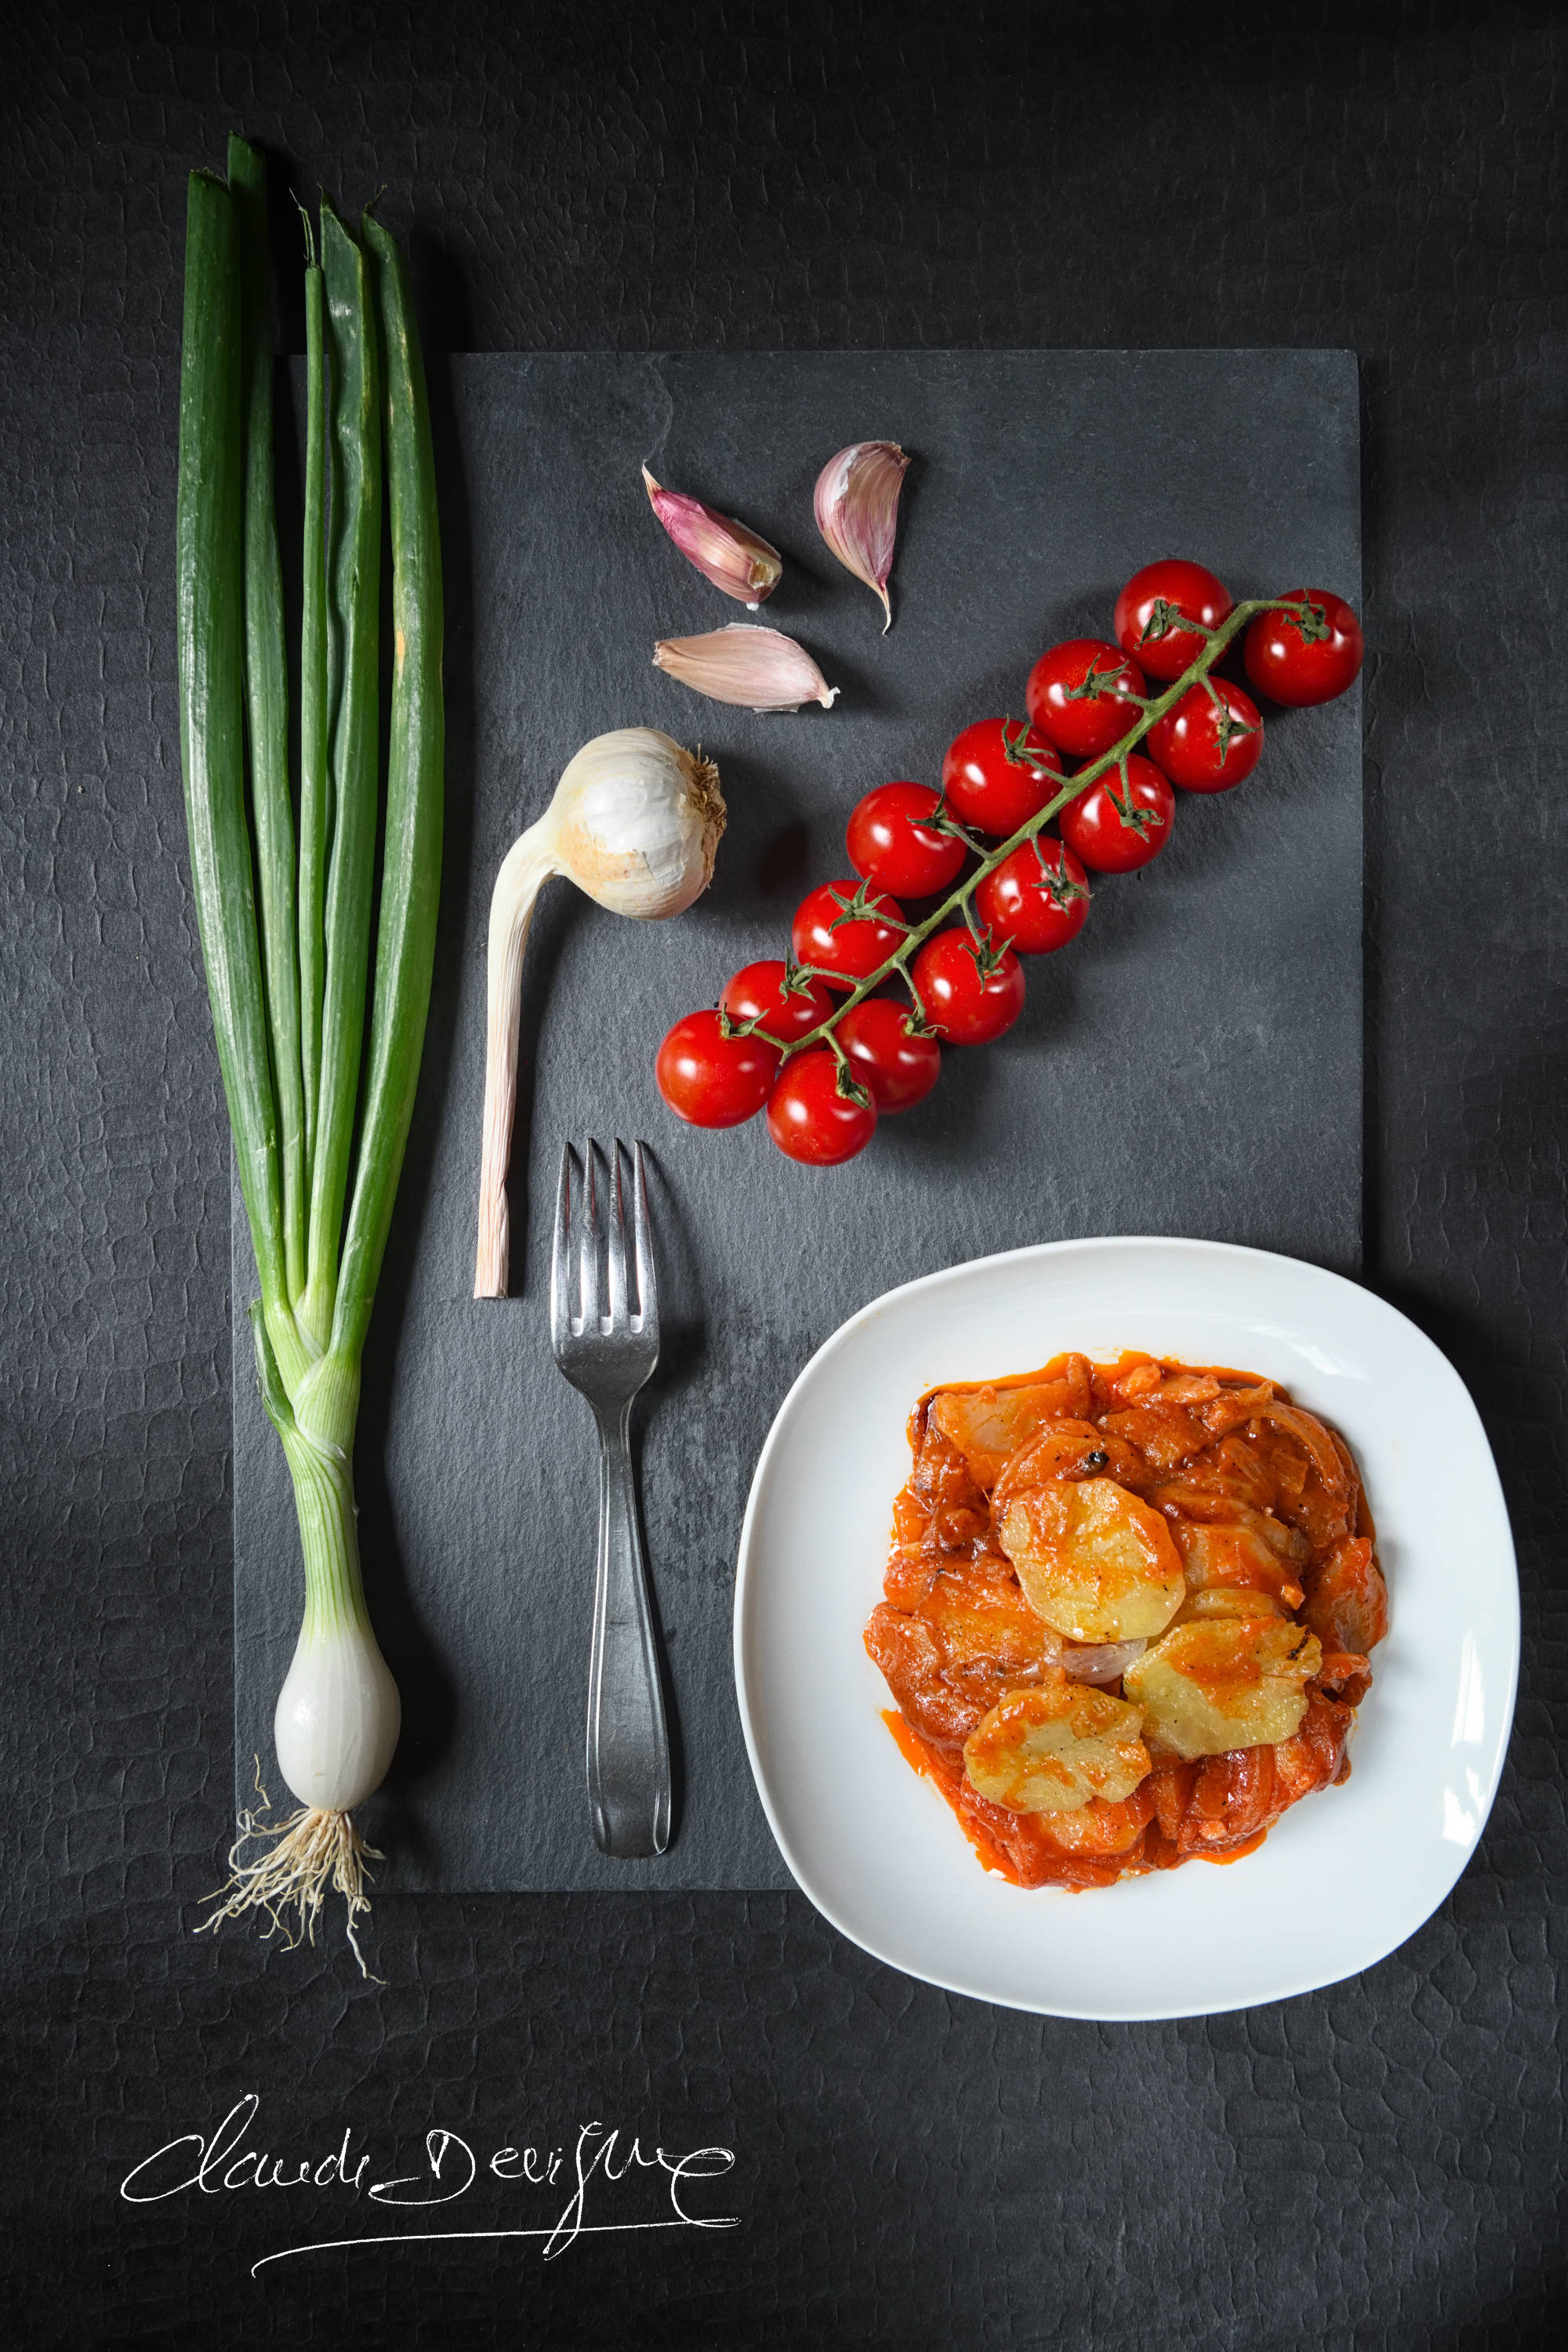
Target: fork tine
{"x": 647, "y": 1291}
{"x": 616, "y": 1248}
{"x": 588, "y": 1236}
{"x": 560, "y": 1252}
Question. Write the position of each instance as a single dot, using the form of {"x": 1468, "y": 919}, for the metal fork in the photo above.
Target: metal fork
{"x": 609, "y": 1356}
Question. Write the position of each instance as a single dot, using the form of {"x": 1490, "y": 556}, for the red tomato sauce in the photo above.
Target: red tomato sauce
{"x": 1281, "y": 1602}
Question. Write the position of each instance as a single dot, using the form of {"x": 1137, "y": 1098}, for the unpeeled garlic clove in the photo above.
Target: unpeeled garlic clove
{"x": 857, "y": 506}
{"x": 760, "y": 670}
{"x": 733, "y": 557}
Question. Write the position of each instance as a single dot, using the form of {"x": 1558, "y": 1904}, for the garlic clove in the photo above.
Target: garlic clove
{"x": 734, "y": 559}
{"x": 857, "y": 508}
{"x": 760, "y": 670}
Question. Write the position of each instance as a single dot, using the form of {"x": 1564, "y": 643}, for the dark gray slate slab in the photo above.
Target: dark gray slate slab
{"x": 1191, "y": 1064}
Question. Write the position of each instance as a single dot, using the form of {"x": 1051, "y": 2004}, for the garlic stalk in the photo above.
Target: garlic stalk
{"x": 760, "y": 670}
{"x": 734, "y": 559}
{"x": 636, "y": 821}
{"x": 857, "y": 508}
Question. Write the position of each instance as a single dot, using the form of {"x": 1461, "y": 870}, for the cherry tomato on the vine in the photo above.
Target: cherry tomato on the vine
{"x": 968, "y": 996}
{"x": 713, "y": 1080}
{"x": 1078, "y": 695}
{"x": 898, "y": 1065}
{"x": 999, "y": 773}
{"x": 810, "y": 1116}
{"x": 846, "y": 928}
{"x": 890, "y": 844}
{"x": 761, "y": 993}
{"x": 1152, "y": 607}
{"x": 1114, "y": 831}
{"x": 1036, "y": 899}
{"x": 1300, "y": 662}
{"x": 1212, "y": 739}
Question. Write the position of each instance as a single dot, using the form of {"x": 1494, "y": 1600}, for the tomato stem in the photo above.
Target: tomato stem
{"x": 957, "y": 901}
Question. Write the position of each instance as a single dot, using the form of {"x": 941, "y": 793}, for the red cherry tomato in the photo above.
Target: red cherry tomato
{"x": 1153, "y": 605}
{"x": 713, "y": 1080}
{"x": 1302, "y": 662}
{"x": 1115, "y": 832}
{"x": 897, "y": 1066}
{"x": 839, "y": 927}
{"x": 1036, "y": 899}
{"x": 889, "y": 844}
{"x": 967, "y": 1006}
{"x": 759, "y": 991}
{"x": 1206, "y": 744}
{"x": 1078, "y": 695}
{"x": 809, "y": 1115}
{"x": 999, "y": 773}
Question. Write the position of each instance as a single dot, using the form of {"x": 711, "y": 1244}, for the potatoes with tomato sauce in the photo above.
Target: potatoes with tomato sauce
{"x": 1096, "y": 1562}
{"x": 1128, "y": 1611}
{"x": 1215, "y": 1684}
{"x": 1051, "y": 1749}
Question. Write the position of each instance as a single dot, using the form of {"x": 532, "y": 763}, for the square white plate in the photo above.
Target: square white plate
{"x": 1348, "y": 1874}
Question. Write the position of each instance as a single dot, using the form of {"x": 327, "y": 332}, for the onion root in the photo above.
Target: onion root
{"x": 310, "y": 1852}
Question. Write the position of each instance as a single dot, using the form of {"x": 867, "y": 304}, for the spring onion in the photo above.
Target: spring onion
{"x": 319, "y": 1039}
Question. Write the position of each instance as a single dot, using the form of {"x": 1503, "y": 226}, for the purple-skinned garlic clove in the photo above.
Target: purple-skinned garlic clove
{"x": 738, "y": 561}
{"x": 756, "y": 668}
{"x": 856, "y": 507}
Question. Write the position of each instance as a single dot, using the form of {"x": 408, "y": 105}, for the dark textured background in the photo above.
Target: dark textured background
{"x": 1376, "y": 2166}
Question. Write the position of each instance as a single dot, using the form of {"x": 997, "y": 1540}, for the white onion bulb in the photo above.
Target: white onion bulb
{"x": 337, "y": 1717}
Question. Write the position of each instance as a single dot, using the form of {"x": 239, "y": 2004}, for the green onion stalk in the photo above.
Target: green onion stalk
{"x": 317, "y": 909}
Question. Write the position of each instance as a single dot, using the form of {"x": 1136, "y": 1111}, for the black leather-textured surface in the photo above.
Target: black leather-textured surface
{"x": 1379, "y": 2165}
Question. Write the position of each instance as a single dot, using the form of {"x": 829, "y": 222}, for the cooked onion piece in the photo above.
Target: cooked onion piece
{"x": 989, "y": 1424}
{"x": 1245, "y": 1549}
{"x": 1051, "y": 1750}
{"x": 978, "y": 1614}
{"x": 1096, "y": 1562}
{"x": 1349, "y": 1605}
{"x": 1100, "y": 1662}
{"x": 1215, "y": 1684}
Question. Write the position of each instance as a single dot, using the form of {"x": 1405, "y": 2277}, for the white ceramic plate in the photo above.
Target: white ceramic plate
{"x": 1348, "y": 1874}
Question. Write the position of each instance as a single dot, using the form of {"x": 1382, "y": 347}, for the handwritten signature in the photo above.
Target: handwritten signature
{"x": 224, "y": 2162}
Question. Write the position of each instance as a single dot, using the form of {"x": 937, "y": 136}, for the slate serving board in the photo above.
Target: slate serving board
{"x": 1191, "y": 1064}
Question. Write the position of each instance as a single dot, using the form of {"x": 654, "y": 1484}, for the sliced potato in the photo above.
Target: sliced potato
{"x": 1096, "y": 1562}
{"x": 1051, "y": 1750}
{"x": 1224, "y": 1600}
{"x": 1215, "y": 1684}
{"x": 1099, "y": 1830}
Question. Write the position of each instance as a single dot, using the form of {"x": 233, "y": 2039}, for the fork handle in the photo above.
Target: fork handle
{"x": 628, "y": 1737}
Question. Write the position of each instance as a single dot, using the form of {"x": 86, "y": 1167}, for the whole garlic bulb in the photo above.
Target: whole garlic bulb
{"x": 635, "y": 823}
